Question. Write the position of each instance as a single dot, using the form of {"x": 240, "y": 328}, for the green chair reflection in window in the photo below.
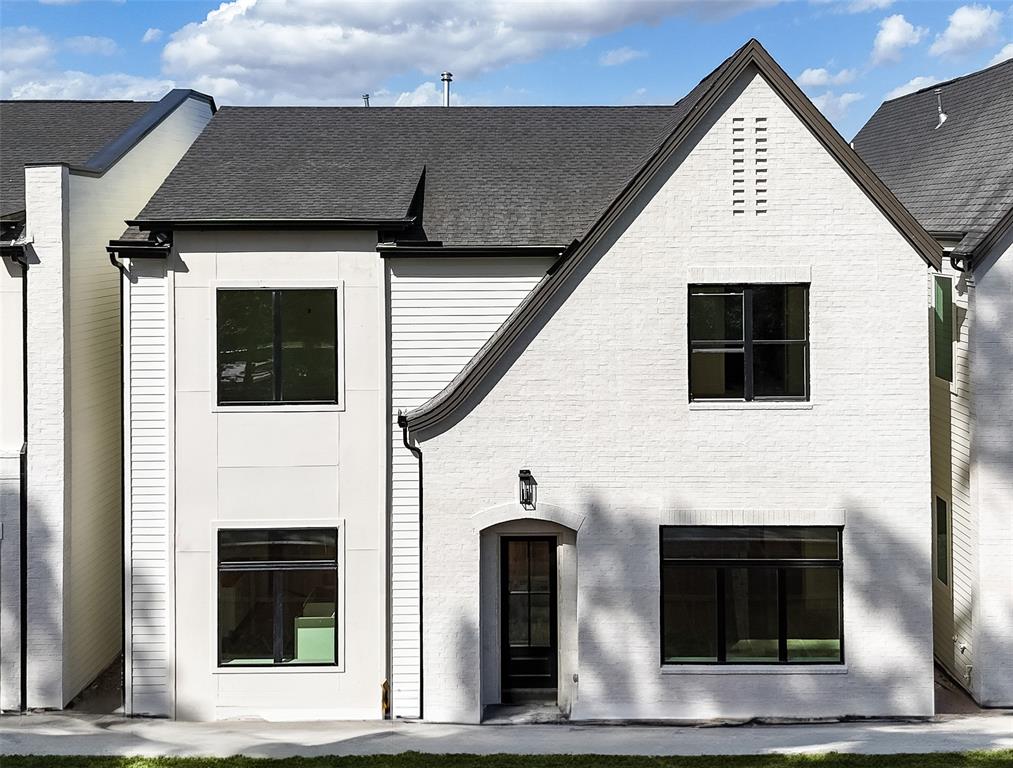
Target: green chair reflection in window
{"x": 314, "y": 633}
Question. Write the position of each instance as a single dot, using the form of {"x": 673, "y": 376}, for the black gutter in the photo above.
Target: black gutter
{"x": 148, "y": 225}
{"x": 21, "y": 259}
{"x": 402, "y": 421}
{"x": 436, "y": 249}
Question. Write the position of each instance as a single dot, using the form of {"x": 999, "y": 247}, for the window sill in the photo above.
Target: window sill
{"x": 270, "y": 669}
{"x": 753, "y": 405}
{"x": 280, "y": 408}
{"x": 755, "y": 669}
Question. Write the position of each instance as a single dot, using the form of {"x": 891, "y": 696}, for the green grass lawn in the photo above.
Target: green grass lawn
{"x": 995, "y": 759}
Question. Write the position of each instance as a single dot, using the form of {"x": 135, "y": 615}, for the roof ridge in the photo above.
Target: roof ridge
{"x": 952, "y": 80}
{"x": 76, "y": 101}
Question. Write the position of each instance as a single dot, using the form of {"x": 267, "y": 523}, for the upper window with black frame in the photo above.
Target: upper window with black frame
{"x": 751, "y": 595}
{"x": 277, "y": 346}
{"x": 749, "y": 342}
{"x": 277, "y": 596}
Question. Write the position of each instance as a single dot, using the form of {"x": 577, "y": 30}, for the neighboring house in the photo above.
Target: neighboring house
{"x": 689, "y": 477}
{"x": 70, "y": 172}
{"x": 519, "y": 279}
{"x": 947, "y": 153}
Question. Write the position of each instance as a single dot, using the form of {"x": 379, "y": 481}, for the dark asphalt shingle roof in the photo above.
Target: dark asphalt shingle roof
{"x": 959, "y": 177}
{"x": 494, "y": 175}
{"x": 57, "y": 132}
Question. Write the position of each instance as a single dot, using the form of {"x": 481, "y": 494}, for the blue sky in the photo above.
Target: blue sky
{"x": 847, "y": 54}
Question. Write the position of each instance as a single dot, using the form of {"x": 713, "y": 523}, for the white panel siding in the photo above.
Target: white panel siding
{"x": 147, "y": 524}
{"x": 98, "y": 208}
{"x": 441, "y": 312}
{"x": 951, "y": 419}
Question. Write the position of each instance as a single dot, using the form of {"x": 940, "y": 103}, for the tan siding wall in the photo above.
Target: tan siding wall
{"x": 441, "y": 312}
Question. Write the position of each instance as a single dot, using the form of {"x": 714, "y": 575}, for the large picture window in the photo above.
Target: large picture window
{"x": 277, "y": 596}
{"x": 751, "y": 595}
{"x": 277, "y": 346}
{"x": 749, "y": 342}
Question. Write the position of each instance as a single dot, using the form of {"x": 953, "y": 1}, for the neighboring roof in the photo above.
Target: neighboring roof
{"x": 87, "y": 135}
{"x": 959, "y": 177}
{"x": 493, "y": 175}
{"x": 443, "y": 407}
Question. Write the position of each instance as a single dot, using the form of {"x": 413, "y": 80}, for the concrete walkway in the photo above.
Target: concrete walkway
{"x": 75, "y": 734}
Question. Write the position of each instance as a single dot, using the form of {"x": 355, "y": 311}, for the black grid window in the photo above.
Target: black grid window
{"x": 751, "y": 595}
{"x": 277, "y": 346}
{"x": 277, "y": 596}
{"x": 749, "y": 342}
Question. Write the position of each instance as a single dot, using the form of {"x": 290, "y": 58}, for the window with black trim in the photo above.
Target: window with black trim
{"x": 942, "y": 327}
{"x": 749, "y": 342}
{"x": 751, "y": 595}
{"x": 942, "y": 541}
{"x": 277, "y": 596}
{"x": 277, "y": 346}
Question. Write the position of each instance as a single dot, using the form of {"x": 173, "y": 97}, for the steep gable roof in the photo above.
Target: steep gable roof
{"x": 692, "y": 109}
{"x": 957, "y": 178}
{"x": 87, "y": 135}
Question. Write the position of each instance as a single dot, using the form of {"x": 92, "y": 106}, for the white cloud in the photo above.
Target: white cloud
{"x": 1004, "y": 55}
{"x": 425, "y": 95}
{"x": 861, "y": 6}
{"x": 895, "y": 34}
{"x": 153, "y": 34}
{"x": 912, "y": 85}
{"x": 835, "y": 106}
{"x": 82, "y": 85}
{"x": 92, "y": 46}
{"x": 820, "y": 77}
{"x": 309, "y": 51}
{"x": 22, "y": 46}
{"x": 617, "y": 56}
{"x": 971, "y": 28}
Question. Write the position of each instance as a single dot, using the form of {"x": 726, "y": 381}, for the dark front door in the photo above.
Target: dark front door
{"x": 528, "y": 619}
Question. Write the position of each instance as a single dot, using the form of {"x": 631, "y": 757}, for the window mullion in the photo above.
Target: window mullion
{"x": 276, "y": 304}
{"x": 277, "y": 586}
{"x": 720, "y": 576}
{"x": 782, "y": 616}
{"x": 747, "y": 341}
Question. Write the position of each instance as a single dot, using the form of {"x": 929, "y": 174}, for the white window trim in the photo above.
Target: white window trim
{"x": 339, "y": 288}
{"x": 339, "y": 613}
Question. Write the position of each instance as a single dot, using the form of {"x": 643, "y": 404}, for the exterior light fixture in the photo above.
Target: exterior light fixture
{"x": 528, "y": 489}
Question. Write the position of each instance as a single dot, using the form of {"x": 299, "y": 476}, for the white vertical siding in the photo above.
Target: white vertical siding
{"x": 441, "y": 312}
{"x": 97, "y": 212}
{"x": 147, "y": 525}
{"x": 952, "y": 419}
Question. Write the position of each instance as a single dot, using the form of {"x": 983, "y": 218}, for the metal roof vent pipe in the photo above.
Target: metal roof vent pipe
{"x": 446, "y": 77}
{"x": 365, "y": 99}
{"x": 939, "y": 106}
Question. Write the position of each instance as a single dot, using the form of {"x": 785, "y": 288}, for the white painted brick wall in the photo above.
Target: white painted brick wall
{"x": 10, "y": 578}
{"x": 992, "y": 474}
{"x": 46, "y": 204}
{"x": 596, "y": 406}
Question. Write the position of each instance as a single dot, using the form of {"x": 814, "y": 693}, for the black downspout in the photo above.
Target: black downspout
{"x": 123, "y": 509}
{"x": 402, "y": 421}
{"x": 23, "y": 488}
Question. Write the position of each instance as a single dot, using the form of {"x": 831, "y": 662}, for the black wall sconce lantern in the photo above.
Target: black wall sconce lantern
{"x": 528, "y": 488}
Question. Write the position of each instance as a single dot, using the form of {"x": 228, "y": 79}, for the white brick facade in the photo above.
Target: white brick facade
{"x": 596, "y": 406}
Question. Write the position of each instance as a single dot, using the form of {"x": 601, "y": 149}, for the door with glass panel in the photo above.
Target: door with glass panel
{"x": 528, "y": 619}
